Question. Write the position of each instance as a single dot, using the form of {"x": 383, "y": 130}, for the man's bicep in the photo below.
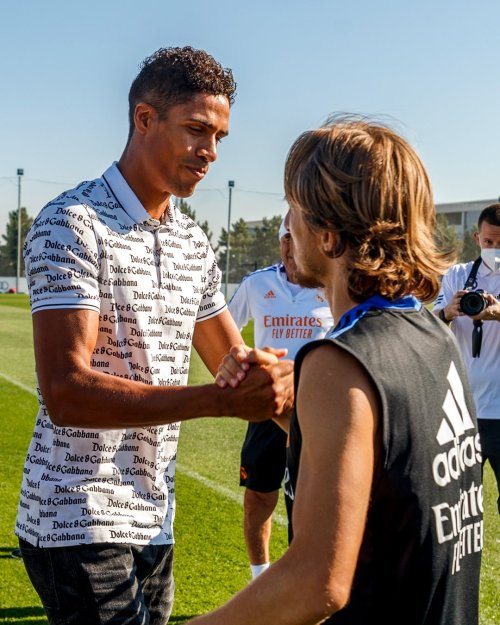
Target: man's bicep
{"x": 337, "y": 412}
{"x": 64, "y": 340}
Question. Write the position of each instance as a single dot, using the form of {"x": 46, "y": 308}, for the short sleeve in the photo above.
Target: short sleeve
{"x": 447, "y": 290}
{"x": 212, "y": 301}
{"x": 239, "y": 305}
{"x": 61, "y": 259}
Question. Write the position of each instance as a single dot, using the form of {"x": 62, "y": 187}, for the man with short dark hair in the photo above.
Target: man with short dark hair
{"x": 478, "y": 335}
{"x": 122, "y": 285}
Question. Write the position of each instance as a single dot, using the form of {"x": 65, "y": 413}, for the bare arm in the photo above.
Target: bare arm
{"x": 212, "y": 337}
{"x": 338, "y": 414}
{"x": 79, "y": 396}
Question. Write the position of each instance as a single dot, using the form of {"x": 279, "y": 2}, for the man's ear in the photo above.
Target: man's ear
{"x": 328, "y": 243}
{"x": 476, "y": 237}
{"x": 143, "y": 115}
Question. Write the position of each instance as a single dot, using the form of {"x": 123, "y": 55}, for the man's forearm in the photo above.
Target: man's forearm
{"x": 86, "y": 398}
{"x": 98, "y": 400}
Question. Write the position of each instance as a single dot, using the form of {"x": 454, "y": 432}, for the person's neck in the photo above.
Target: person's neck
{"x": 337, "y": 291}
{"x": 340, "y": 302}
{"x": 154, "y": 201}
{"x": 289, "y": 278}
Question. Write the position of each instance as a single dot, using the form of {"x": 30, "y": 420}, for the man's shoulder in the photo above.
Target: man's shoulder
{"x": 256, "y": 282}
{"x": 88, "y": 192}
{"x": 459, "y": 270}
{"x": 263, "y": 274}
{"x": 260, "y": 279}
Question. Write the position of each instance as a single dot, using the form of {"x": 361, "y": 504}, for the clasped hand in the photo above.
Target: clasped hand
{"x": 262, "y": 381}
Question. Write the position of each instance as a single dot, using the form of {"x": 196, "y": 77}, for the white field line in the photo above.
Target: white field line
{"x": 232, "y": 495}
{"x": 26, "y": 388}
{"x": 222, "y": 490}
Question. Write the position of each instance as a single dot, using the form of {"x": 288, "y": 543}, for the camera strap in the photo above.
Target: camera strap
{"x": 477, "y": 331}
{"x": 471, "y": 282}
{"x": 477, "y": 338}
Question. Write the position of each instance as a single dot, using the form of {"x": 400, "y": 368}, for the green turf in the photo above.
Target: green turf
{"x": 210, "y": 560}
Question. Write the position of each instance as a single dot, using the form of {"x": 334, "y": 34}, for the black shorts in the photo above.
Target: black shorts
{"x": 263, "y": 457}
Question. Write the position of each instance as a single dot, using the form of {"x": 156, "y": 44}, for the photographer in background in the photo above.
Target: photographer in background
{"x": 478, "y": 335}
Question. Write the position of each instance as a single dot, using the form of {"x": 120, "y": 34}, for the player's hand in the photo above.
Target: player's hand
{"x": 234, "y": 367}
{"x": 265, "y": 393}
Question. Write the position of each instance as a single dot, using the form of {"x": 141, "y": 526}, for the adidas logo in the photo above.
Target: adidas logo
{"x": 270, "y": 295}
{"x": 466, "y": 451}
{"x": 455, "y": 409}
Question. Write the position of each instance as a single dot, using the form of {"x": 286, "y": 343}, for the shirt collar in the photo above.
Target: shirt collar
{"x": 351, "y": 317}
{"x": 128, "y": 200}
{"x": 484, "y": 270}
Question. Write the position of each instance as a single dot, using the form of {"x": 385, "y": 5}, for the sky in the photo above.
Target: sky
{"x": 430, "y": 69}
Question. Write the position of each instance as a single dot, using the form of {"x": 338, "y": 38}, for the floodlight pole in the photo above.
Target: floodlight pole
{"x": 230, "y": 185}
{"x": 20, "y": 173}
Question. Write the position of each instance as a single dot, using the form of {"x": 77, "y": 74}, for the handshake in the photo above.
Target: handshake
{"x": 261, "y": 383}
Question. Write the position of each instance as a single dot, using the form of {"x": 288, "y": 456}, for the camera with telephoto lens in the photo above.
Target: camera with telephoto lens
{"x": 473, "y": 302}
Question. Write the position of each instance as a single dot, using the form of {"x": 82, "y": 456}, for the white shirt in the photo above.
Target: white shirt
{"x": 284, "y": 316}
{"x": 484, "y": 371}
{"x": 96, "y": 247}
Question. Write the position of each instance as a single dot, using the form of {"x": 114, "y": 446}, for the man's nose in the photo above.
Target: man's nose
{"x": 208, "y": 149}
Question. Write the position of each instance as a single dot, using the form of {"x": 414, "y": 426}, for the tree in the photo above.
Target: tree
{"x": 8, "y": 251}
{"x": 185, "y": 208}
{"x": 446, "y": 236}
{"x": 470, "y": 249}
{"x": 250, "y": 250}
{"x": 265, "y": 249}
{"x": 241, "y": 259}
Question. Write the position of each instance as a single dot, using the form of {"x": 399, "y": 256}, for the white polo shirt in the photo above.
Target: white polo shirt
{"x": 484, "y": 372}
{"x": 285, "y": 315}
{"x": 96, "y": 247}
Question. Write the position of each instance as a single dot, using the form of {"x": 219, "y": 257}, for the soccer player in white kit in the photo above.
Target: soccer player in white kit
{"x": 285, "y": 315}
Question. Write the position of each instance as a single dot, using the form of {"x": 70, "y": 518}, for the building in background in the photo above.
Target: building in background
{"x": 463, "y": 216}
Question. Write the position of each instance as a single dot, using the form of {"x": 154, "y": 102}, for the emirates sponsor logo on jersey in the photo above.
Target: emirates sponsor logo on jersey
{"x": 460, "y": 521}
{"x": 291, "y": 327}
{"x": 270, "y": 295}
{"x": 284, "y": 321}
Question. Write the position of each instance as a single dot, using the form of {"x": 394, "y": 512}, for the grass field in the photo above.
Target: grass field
{"x": 211, "y": 561}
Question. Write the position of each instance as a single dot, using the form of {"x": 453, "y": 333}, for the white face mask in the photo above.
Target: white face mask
{"x": 491, "y": 257}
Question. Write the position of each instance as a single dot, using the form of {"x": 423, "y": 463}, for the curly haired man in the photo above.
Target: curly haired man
{"x": 122, "y": 285}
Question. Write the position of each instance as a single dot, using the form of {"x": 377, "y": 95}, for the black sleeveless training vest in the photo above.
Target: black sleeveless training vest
{"x": 420, "y": 557}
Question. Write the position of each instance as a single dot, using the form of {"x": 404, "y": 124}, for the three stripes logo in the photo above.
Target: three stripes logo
{"x": 465, "y": 448}
{"x": 270, "y": 295}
